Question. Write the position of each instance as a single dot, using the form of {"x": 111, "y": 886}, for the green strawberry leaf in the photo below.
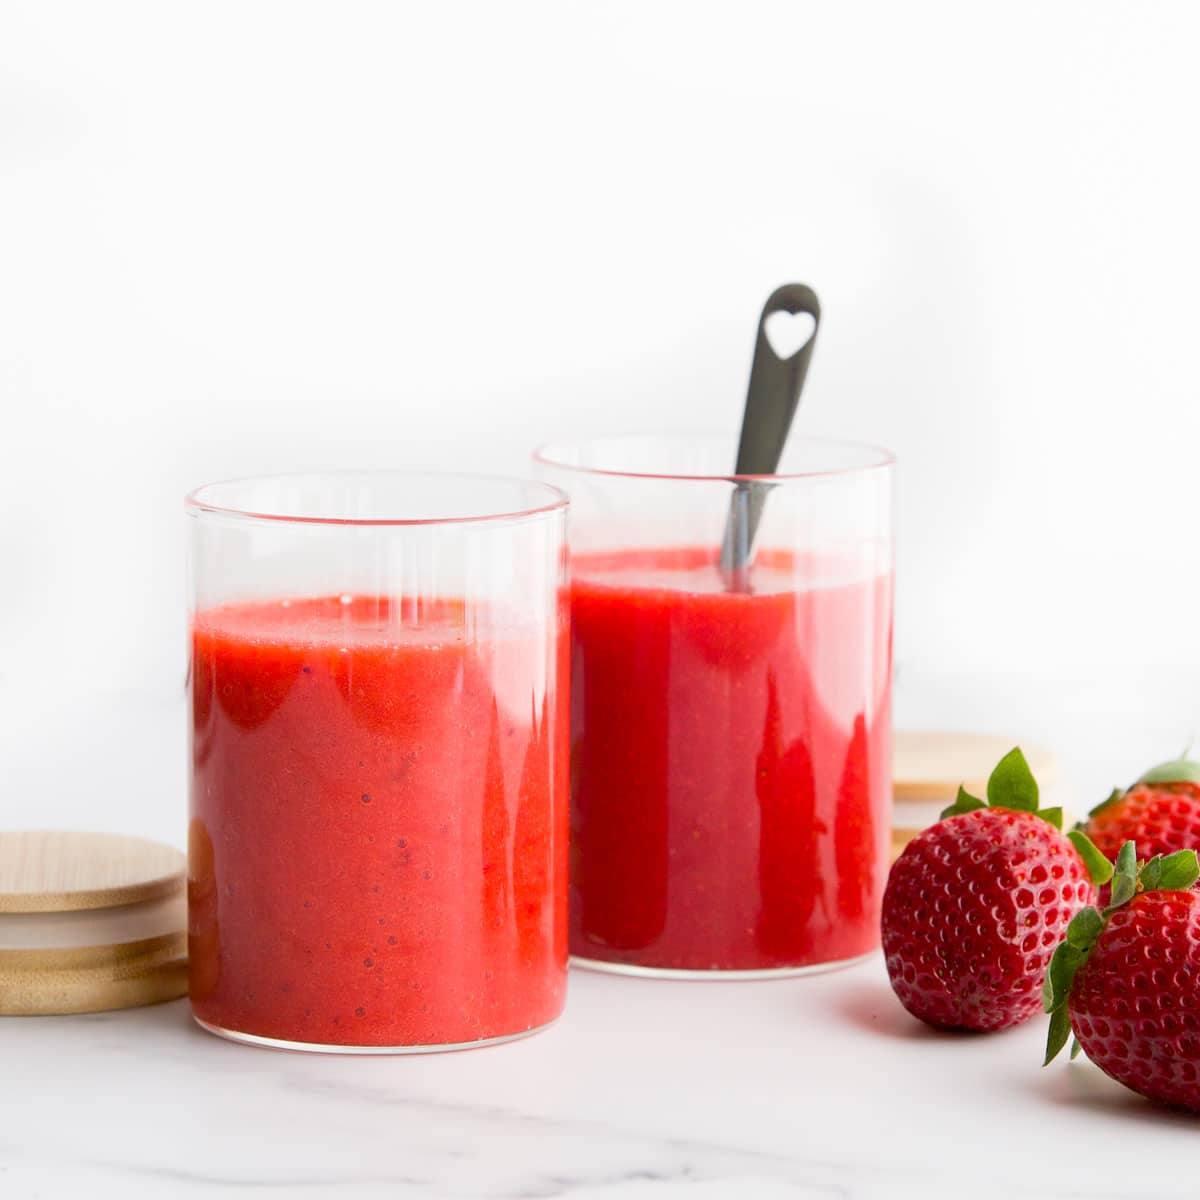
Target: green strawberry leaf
{"x": 1075, "y": 1049}
{"x": 1085, "y": 927}
{"x": 1178, "y": 871}
{"x": 1072, "y": 952}
{"x": 964, "y": 803}
{"x": 1060, "y": 1030}
{"x": 1114, "y": 796}
{"x": 1012, "y": 785}
{"x": 1179, "y": 770}
{"x": 1064, "y": 963}
{"x": 1099, "y": 868}
{"x": 1171, "y": 872}
{"x": 1124, "y": 884}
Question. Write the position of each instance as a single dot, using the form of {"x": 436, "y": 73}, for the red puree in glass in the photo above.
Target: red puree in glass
{"x": 378, "y": 846}
{"x": 731, "y": 775}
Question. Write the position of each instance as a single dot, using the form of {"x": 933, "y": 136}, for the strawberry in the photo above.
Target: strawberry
{"x": 1127, "y": 980}
{"x": 1161, "y": 813}
{"x": 976, "y": 904}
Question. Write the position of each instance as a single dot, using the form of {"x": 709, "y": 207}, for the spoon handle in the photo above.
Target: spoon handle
{"x": 771, "y": 402}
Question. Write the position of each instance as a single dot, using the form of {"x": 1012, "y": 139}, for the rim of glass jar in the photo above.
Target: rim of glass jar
{"x": 542, "y": 455}
{"x": 194, "y": 502}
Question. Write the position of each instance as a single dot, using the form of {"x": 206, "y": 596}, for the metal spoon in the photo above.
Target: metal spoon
{"x": 771, "y": 402}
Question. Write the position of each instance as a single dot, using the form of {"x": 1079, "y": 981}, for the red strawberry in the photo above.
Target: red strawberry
{"x": 1161, "y": 813}
{"x": 976, "y": 904}
{"x": 1127, "y": 980}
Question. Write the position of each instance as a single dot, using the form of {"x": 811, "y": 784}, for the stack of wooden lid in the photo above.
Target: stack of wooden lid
{"x": 928, "y": 767}
{"x": 90, "y": 921}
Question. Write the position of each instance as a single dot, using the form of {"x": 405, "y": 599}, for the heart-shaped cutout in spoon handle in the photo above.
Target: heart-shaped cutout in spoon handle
{"x": 788, "y": 332}
{"x": 772, "y": 398}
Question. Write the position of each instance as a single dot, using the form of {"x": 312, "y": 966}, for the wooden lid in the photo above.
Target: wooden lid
{"x": 51, "y": 871}
{"x": 930, "y": 765}
{"x": 90, "y": 921}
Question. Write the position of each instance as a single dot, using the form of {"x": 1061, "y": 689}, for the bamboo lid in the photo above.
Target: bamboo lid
{"x": 90, "y": 921}
{"x": 930, "y": 765}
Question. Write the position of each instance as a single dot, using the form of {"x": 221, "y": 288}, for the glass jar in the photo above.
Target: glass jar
{"x": 730, "y": 731}
{"x": 379, "y": 768}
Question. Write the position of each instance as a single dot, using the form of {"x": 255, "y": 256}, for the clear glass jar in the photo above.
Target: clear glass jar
{"x": 379, "y": 767}
{"x": 730, "y": 736}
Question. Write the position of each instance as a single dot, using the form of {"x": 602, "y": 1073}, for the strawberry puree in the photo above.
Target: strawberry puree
{"x": 731, "y": 780}
{"x": 378, "y": 843}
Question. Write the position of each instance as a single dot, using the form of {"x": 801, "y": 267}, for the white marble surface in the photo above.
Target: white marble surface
{"x": 817, "y": 1087}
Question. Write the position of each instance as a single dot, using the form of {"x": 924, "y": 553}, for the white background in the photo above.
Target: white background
{"x": 243, "y": 237}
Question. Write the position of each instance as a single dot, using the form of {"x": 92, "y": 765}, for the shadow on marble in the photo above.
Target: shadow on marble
{"x": 874, "y": 1007}
{"x": 1082, "y": 1086}
{"x": 169, "y": 1014}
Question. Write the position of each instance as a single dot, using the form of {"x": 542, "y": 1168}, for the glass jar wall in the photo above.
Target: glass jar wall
{"x": 378, "y": 836}
{"x": 730, "y": 730}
